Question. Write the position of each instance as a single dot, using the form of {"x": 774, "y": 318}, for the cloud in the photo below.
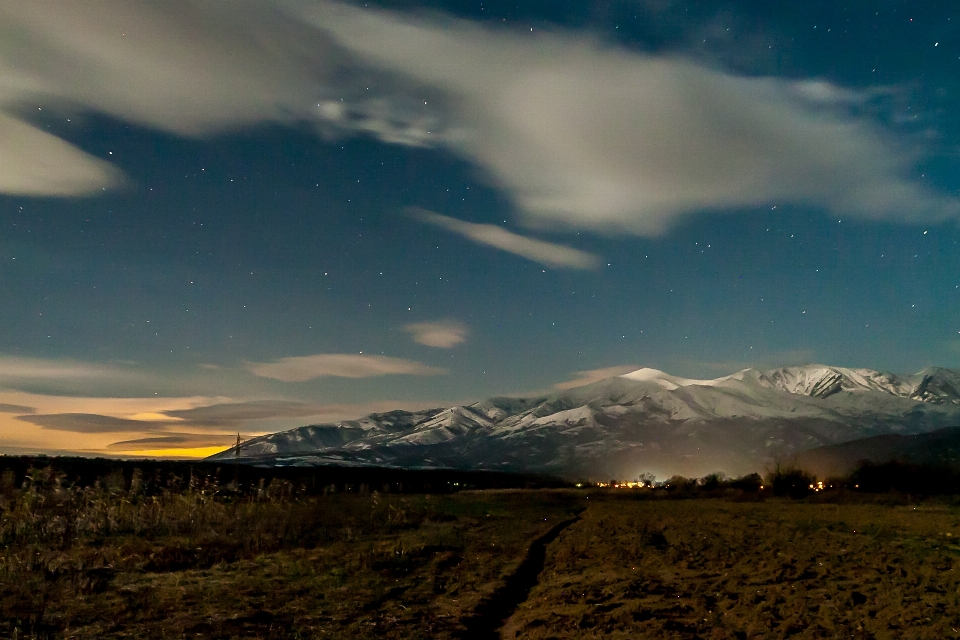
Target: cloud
{"x": 16, "y": 368}
{"x": 442, "y": 334}
{"x": 183, "y": 66}
{"x": 33, "y": 162}
{"x": 580, "y": 133}
{"x": 175, "y": 441}
{"x": 66, "y": 377}
{"x": 762, "y": 360}
{"x": 342, "y": 365}
{"x": 218, "y": 416}
{"x": 90, "y": 423}
{"x": 584, "y": 134}
{"x": 233, "y": 413}
{"x": 595, "y": 375}
{"x": 546, "y": 253}
{"x": 16, "y": 408}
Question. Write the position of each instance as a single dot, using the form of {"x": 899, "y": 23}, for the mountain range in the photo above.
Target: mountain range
{"x": 644, "y": 422}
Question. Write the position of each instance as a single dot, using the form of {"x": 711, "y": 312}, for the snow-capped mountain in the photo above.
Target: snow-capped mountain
{"x": 646, "y": 421}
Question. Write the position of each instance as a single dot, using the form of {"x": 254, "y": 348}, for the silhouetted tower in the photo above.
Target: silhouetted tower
{"x": 236, "y": 462}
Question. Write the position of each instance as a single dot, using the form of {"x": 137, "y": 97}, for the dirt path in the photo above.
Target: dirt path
{"x": 491, "y": 614}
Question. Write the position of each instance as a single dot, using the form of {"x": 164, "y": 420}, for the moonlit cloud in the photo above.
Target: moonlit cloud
{"x": 181, "y": 66}
{"x": 33, "y": 163}
{"x": 580, "y": 133}
{"x": 342, "y": 365}
{"x": 184, "y": 66}
{"x": 583, "y": 134}
{"x": 443, "y": 334}
{"x": 546, "y": 253}
{"x": 595, "y": 375}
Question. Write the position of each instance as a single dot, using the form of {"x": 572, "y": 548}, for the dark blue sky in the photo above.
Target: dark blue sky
{"x": 250, "y": 215}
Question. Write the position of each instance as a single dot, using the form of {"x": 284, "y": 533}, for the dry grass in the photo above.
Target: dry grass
{"x": 129, "y": 558}
{"x": 771, "y": 569}
{"x": 109, "y": 561}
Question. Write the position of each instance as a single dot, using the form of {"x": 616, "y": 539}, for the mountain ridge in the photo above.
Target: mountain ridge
{"x": 645, "y": 421}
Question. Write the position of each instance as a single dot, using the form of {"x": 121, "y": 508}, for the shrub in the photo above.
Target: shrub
{"x": 787, "y": 480}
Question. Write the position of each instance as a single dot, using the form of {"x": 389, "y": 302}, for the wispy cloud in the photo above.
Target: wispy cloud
{"x": 342, "y": 365}
{"x": 589, "y": 135}
{"x": 578, "y": 132}
{"x": 443, "y": 334}
{"x": 595, "y": 375}
{"x": 16, "y": 368}
{"x": 546, "y": 253}
{"x": 186, "y": 67}
{"x": 762, "y": 360}
{"x": 34, "y": 162}
{"x": 67, "y": 377}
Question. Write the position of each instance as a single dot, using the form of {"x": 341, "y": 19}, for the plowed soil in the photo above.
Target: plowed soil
{"x": 728, "y": 570}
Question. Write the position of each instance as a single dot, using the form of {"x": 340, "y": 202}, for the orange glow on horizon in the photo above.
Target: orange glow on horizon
{"x": 195, "y": 452}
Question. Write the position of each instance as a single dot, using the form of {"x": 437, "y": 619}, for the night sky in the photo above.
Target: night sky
{"x": 223, "y": 217}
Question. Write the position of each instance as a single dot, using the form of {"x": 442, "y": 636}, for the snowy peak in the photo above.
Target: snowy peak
{"x": 936, "y": 385}
{"x": 666, "y": 380}
{"x": 821, "y": 381}
{"x": 644, "y": 420}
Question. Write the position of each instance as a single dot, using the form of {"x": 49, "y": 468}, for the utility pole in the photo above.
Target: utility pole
{"x": 236, "y": 462}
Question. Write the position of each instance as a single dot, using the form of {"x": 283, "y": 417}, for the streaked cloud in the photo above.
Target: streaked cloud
{"x": 45, "y": 377}
{"x": 443, "y": 334}
{"x": 174, "y": 441}
{"x": 181, "y": 66}
{"x": 16, "y": 408}
{"x": 173, "y": 65}
{"x": 90, "y": 423}
{"x": 341, "y": 365}
{"x": 231, "y": 414}
{"x": 580, "y": 133}
{"x": 546, "y": 253}
{"x": 16, "y": 368}
{"x": 585, "y": 134}
{"x": 595, "y": 375}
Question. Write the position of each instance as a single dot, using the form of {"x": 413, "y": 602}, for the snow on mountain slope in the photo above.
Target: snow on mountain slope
{"x": 665, "y": 380}
{"x": 822, "y": 381}
{"x": 936, "y": 385}
{"x": 445, "y": 426}
{"x": 646, "y": 420}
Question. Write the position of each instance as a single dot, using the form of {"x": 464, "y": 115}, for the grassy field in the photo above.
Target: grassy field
{"x": 126, "y": 558}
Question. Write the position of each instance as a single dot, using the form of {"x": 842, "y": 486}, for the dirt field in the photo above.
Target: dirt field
{"x": 184, "y": 566}
{"x": 111, "y": 561}
{"x": 773, "y": 569}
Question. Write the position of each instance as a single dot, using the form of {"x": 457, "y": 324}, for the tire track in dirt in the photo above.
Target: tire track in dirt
{"x": 493, "y": 611}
